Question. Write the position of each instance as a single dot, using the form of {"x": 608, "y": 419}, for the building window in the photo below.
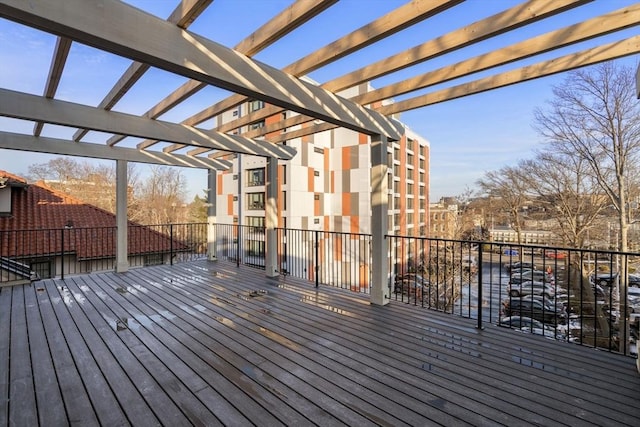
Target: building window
{"x": 421, "y": 164}
{"x": 255, "y": 105}
{"x": 255, "y": 177}
{"x": 316, "y": 220}
{"x": 318, "y": 150}
{"x": 409, "y": 188}
{"x": 421, "y": 177}
{"x": 284, "y": 174}
{"x": 255, "y": 201}
{"x": 396, "y": 153}
{"x": 284, "y": 200}
{"x": 257, "y": 125}
{"x": 409, "y": 203}
{"x": 396, "y": 203}
{"x": 316, "y": 173}
{"x": 396, "y": 170}
{"x": 409, "y": 144}
{"x": 257, "y": 223}
{"x": 410, "y": 159}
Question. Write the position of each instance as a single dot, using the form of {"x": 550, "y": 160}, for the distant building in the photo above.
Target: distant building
{"x": 327, "y": 187}
{"x": 443, "y": 219}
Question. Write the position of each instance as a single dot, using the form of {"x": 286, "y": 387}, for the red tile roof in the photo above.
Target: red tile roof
{"x": 41, "y": 217}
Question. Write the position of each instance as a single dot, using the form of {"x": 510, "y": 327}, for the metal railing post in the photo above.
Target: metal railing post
{"x": 171, "y": 244}
{"x": 62, "y": 253}
{"x": 317, "y": 258}
{"x": 479, "y": 326}
{"x": 238, "y": 245}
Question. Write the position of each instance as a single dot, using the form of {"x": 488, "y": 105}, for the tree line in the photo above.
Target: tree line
{"x": 584, "y": 180}
{"x": 158, "y": 197}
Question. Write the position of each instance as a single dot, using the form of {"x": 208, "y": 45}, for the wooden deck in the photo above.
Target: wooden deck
{"x": 209, "y": 344}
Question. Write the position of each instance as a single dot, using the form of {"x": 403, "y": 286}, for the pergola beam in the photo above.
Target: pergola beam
{"x": 500, "y": 23}
{"x": 182, "y": 16}
{"x": 63, "y": 45}
{"x": 283, "y": 23}
{"x": 397, "y": 20}
{"x": 592, "y": 56}
{"x": 31, "y": 107}
{"x": 596, "y": 27}
{"x": 22, "y": 142}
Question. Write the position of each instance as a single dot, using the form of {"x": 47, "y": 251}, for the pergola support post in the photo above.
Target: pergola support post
{"x": 122, "y": 261}
{"x": 271, "y": 218}
{"x": 379, "y": 221}
{"x": 212, "y": 190}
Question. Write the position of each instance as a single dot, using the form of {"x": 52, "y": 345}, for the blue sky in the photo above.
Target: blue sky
{"x": 468, "y": 136}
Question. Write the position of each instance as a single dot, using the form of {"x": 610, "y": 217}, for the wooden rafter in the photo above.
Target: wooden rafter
{"x": 63, "y": 45}
{"x": 607, "y": 52}
{"x": 31, "y": 107}
{"x": 183, "y": 15}
{"x": 283, "y": 23}
{"x": 611, "y": 22}
{"x": 605, "y": 24}
{"x": 500, "y": 23}
{"x": 413, "y": 12}
{"x": 591, "y": 56}
{"x": 22, "y": 142}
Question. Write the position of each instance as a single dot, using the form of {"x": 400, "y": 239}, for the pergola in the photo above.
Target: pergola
{"x": 150, "y": 42}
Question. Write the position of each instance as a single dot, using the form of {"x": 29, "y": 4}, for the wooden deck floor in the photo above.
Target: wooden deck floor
{"x": 209, "y": 344}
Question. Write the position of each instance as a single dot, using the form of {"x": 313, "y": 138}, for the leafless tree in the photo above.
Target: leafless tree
{"x": 595, "y": 116}
{"x": 510, "y": 190}
{"x": 566, "y": 189}
{"x": 161, "y": 196}
{"x": 93, "y": 183}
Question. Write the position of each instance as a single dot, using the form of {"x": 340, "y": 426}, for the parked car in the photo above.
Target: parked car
{"x": 531, "y": 288}
{"x": 531, "y": 275}
{"x": 511, "y": 267}
{"x": 555, "y": 254}
{"x": 604, "y": 279}
{"x": 543, "y": 311}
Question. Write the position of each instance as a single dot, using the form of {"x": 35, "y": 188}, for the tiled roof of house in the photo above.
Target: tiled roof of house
{"x": 41, "y": 217}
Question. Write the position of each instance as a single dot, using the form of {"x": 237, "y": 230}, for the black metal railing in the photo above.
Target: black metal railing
{"x": 58, "y": 252}
{"x": 577, "y": 295}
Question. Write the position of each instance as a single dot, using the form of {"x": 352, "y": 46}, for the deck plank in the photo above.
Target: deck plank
{"x": 102, "y": 397}
{"x": 77, "y": 403}
{"x": 208, "y": 343}
{"x": 6, "y": 296}
{"x": 51, "y": 408}
{"x": 141, "y": 397}
{"x": 22, "y": 405}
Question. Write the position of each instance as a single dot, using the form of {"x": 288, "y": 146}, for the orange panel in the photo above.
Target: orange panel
{"x": 346, "y": 203}
{"x": 310, "y": 179}
{"x": 316, "y": 207}
{"x": 363, "y": 139}
{"x": 326, "y": 223}
{"x": 346, "y": 158}
{"x": 354, "y": 221}
{"x": 326, "y": 160}
{"x": 229, "y": 204}
{"x": 333, "y": 182}
{"x": 219, "y": 185}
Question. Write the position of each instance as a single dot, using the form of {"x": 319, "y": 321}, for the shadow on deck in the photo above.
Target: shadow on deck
{"x": 205, "y": 343}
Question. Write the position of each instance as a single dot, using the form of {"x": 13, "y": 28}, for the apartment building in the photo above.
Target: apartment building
{"x": 327, "y": 187}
